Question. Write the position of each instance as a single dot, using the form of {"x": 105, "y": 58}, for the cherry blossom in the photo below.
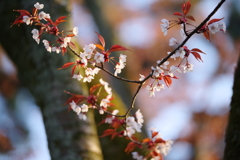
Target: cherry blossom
{"x": 110, "y": 118}
{"x": 35, "y": 36}
{"x": 165, "y": 26}
{"x": 77, "y": 76}
{"x": 187, "y": 68}
{"x": 43, "y": 15}
{"x": 180, "y": 53}
{"x": 84, "y": 108}
{"x": 216, "y": 27}
{"x": 172, "y": 42}
{"x": 26, "y": 19}
{"x": 142, "y": 77}
{"x": 139, "y": 117}
{"x": 47, "y": 46}
{"x": 173, "y": 69}
{"x": 75, "y": 31}
{"x": 38, "y": 6}
{"x": 164, "y": 148}
{"x": 88, "y": 79}
{"x": 136, "y": 156}
{"x": 56, "y": 49}
{"x": 157, "y": 71}
{"x": 99, "y": 57}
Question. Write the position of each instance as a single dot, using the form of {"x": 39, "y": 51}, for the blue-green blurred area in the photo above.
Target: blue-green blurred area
{"x": 193, "y": 111}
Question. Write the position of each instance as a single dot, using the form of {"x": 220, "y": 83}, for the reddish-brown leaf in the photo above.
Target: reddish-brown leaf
{"x": 214, "y": 20}
{"x": 159, "y": 140}
{"x": 177, "y": 14}
{"x": 64, "y": 50}
{"x": 146, "y": 140}
{"x": 155, "y": 153}
{"x": 186, "y": 7}
{"x": 190, "y": 17}
{"x": 108, "y": 132}
{"x": 154, "y": 134}
{"x": 23, "y": 12}
{"x": 34, "y": 11}
{"x": 94, "y": 88}
{"x": 101, "y": 39}
{"x": 66, "y": 65}
{"x": 130, "y": 147}
{"x": 116, "y": 123}
{"x": 73, "y": 69}
{"x": 76, "y": 98}
{"x": 207, "y": 35}
{"x": 114, "y": 135}
{"x": 58, "y": 22}
{"x": 197, "y": 56}
{"x": 117, "y": 48}
{"x": 99, "y": 46}
{"x": 197, "y": 50}
{"x": 70, "y": 35}
{"x": 61, "y": 18}
{"x": 167, "y": 80}
{"x": 50, "y": 21}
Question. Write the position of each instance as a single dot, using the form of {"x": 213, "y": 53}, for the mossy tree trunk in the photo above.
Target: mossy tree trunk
{"x": 68, "y": 137}
{"x": 232, "y": 137}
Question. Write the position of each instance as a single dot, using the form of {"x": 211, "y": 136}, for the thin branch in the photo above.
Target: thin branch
{"x": 117, "y": 77}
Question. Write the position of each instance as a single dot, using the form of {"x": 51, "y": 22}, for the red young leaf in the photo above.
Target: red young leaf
{"x": 197, "y": 56}
{"x": 73, "y": 69}
{"x": 177, "y": 14}
{"x": 94, "y": 88}
{"x": 23, "y": 12}
{"x": 190, "y": 17}
{"x": 214, "y": 20}
{"x": 146, "y": 140}
{"x": 61, "y": 18}
{"x": 117, "y": 48}
{"x": 34, "y": 11}
{"x": 207, "y": 35}
{"x": 101, "y": 39}
{"x": 70, "y": 35}
{"x": 58, "y": 22}
{"x": 50, "y": 21}
{"x": 197, "y": 50}
{"x": 154, "y": 134}
{"x": 76, "y": 98}
{"x": 130, "y": 147}
{"x": 108, "y": 132}
{"x": 114, "y": 135}
{"x": 66, "y": 65}
{"x": 159, "y": 140}
{"x": 167, "y": 80}
{"x": 156, "y": 154}
{"x": 116, "y": 123}
{"x": 99, "y": 46}
{"x": 64, "y": 50}
{"x": 186, "y": 7}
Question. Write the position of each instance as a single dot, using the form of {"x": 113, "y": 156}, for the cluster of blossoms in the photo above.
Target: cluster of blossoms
{"x": 46, "y": 25}
{"x": 133, "y": 125}
{"x": 80, "y": 110}
{"x": 92, "y": 60}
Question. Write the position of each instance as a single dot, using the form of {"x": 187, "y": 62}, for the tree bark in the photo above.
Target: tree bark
{"x": 68, "y": 137}
{"x": 232, "y": 137}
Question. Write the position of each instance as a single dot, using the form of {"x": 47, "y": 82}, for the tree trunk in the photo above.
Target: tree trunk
{"x": 232, "y": 138}
{"x": 68, "y": 137}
